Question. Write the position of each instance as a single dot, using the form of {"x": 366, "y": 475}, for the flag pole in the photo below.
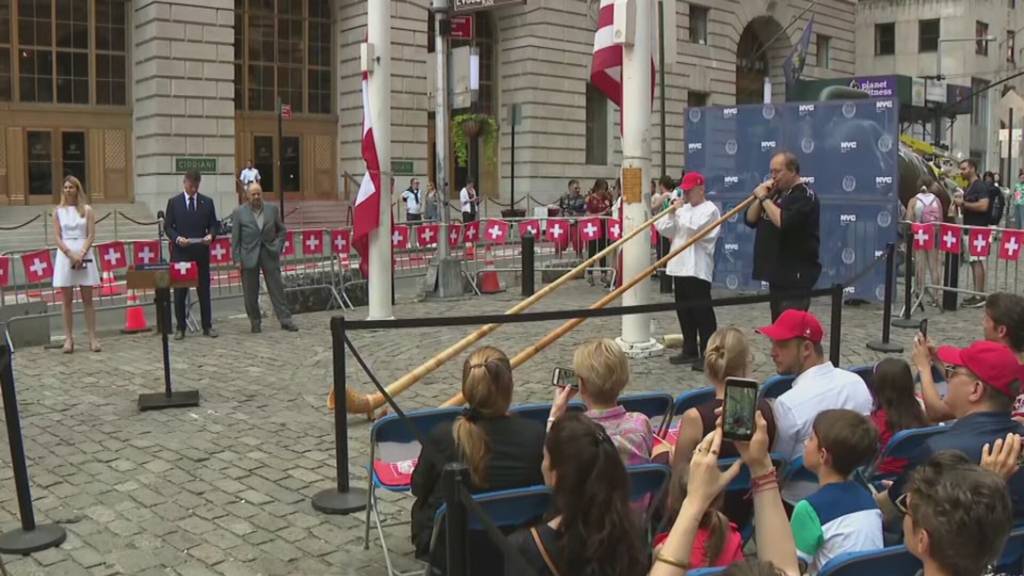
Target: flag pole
{"x": 378, "y": 36}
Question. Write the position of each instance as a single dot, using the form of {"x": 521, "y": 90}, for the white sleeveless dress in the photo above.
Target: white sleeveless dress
{"x": 74, "y": 230}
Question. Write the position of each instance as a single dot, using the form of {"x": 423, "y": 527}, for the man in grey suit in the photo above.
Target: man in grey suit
{"x": 257, "y": 237}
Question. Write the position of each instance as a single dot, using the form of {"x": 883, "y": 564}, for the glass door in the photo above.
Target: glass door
{"x": 41, "y": 189}
{"x": 263, "y": 160}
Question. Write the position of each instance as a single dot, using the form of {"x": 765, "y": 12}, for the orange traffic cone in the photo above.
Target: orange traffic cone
{"x": 487, "y": 279}
{"x": 470, "y": 252}
{"x": 134, "y": 316}
{"x": 109, "y": 286}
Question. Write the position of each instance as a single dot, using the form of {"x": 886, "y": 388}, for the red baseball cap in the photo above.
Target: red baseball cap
{"x": 992, "y": 362}
{"x": 691, "y": 181}
{"x": 794, "y": 324}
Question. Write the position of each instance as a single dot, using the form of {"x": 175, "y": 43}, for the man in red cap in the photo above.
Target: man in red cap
{"x": 692, "y": 268}
{"x": 984, "y": 380}
{"x": 796, "y": 349}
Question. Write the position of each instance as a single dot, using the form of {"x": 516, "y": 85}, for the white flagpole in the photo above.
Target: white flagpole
{"x": 378, "y": 35}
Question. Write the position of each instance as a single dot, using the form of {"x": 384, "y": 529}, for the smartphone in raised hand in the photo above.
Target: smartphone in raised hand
{"x": 739, "y": 409}
{"x": 565, "y": 377}
{"x": 924, "y": 328}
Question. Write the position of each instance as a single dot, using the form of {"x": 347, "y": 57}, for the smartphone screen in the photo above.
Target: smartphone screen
{"x": 739, "y": 408}
{"x": 924, "y": 328}
{"x": 563, "y": 377}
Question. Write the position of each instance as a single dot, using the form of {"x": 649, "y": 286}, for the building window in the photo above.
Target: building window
{"x": 885, "y": 39}
{"x": 5, "y": 51}
{"x": 824, "y": 51}
{"x": 928, "y": 35}
{"x": 979, "y": 101}
{"x": 1011, "y": 46}
{"x": 981, "y": 31}
{"x": 283, "y": 50}
{"x": 696, "y": 99}
{"x": 698, "y": 25}
{"x": 597, "y": 127}
{"x": 111, "y": 53}
{"x": 40, "y": 163}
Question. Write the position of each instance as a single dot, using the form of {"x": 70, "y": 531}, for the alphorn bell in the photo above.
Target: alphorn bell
{"x": 357, "y": 403}
{"x": 565, "y": 328}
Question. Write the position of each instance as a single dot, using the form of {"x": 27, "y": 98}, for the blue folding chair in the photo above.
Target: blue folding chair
{"x": 741, "y": 483}
{"x": 706, "y": 571}
{"x": 894, "y": 561}
{"x": 867, "y": 374}
{"x": 903, "y": 444}
{"x": 685, "y": 401}
{"x": 392, "y": 442}
{"x": 775, "y": 386}
{"x": 538, "y": 412}
{"x": 647, "y": 483}
{"x": 657, "y": 406}
{"x": 1011, "y": 561}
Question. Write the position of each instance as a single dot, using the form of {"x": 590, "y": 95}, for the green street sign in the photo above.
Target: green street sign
{"x": 401, "y": 166}
{"x": 203, "y": 165}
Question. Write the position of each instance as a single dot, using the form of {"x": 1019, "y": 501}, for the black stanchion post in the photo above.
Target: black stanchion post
{"x": 453, "y": 483}
{"x": 342, "y": 499}
{"x": 836, "y": 328}
{"x": 951, "y": 281}
{"x": 884, "y": 345}
{"x": 528, "y": 271}
{"x": 30, "y": 537}
{"x": 905, "y": 320}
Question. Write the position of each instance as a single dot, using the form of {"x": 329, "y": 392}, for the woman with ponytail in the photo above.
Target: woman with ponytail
{"x": 594, "y": 532}
{"x": 500, "y": 450}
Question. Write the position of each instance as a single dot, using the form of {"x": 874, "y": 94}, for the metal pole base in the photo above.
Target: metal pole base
{"x": 640, "y": 349}
{"x": 331, "y": 501}
{"x": 444, "y": 279}
{"x": 887, "y": 347}
{"x": 906, "y": 323}
{"x": 161, "y": 400}
{"x": 25, "y": 542}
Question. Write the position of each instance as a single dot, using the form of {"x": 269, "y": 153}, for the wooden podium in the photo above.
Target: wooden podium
{"x": 157, "y": 277}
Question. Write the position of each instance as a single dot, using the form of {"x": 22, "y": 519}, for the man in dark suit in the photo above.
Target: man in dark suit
{"x": 190, "y": 222}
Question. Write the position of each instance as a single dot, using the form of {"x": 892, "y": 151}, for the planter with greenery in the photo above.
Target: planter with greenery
{"x": 467, "y": 126}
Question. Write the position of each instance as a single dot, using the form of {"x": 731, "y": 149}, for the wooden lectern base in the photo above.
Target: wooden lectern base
{"x": 159, "y": 400}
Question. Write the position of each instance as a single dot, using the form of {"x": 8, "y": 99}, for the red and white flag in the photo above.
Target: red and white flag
{"x": 496, "y": 231}
{"x": 37, "y": 265}
{"x": 590, "y": 229}
{"x": 557, "y": 232}
{"x": 949, "y": 238}
{"x": 454, "y": 233}
{"x": 312, "y": 242}
{"x": 220, "y": 251}
{"x": 979, "y": 242}
{"x": 340, "y": 240}
{"x": 289, "y": 244}
{"x": 426, "y": 235}
{"x": 145, "y": 252}
{"x": 471, "y": 231}
{"x": 367, "y": 211}
{"x": 5, "y": 271}
{"x": 606, "y": 65}
{"x": 112, "y": 256}
{"x": 529, "y": 226}
{"x": 1013, "y": 241}
{"x": 614, "y": 230}
{"x": 924, "y": 236}
{"x": 400, "y": 237}
{"x": 184, "y": 271}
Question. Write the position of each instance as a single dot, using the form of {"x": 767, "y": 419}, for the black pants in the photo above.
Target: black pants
{"x": 410, "y": 217}
{"x": 595, "y": 246}
{"x": 780, "y": 305}
{"x": 468, "y": 217}
{"x": 203, "y": 290}
{"x": 698, "y": 321}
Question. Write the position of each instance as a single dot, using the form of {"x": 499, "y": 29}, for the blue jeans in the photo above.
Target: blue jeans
{"x": 1019, "y": 216}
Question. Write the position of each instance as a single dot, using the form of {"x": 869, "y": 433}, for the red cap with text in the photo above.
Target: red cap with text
{"x": 992, "y": 362}
{"x": 794, "y": 324}
{"x": 691, "y": 181}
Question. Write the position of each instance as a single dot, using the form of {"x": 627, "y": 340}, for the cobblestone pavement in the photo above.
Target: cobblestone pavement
{"x": 225, "y": 488}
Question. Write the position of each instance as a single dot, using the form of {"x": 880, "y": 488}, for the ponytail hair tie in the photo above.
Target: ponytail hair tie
{"x": 471, "y": 414}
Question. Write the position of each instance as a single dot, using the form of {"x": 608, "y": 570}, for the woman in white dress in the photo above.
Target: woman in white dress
{"x": 75, "y": 229}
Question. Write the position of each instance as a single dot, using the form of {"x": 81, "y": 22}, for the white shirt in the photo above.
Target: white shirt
{"x": 413, "y": 204}
{"x": 465, "y": 200}
{"x": 699, "y": 259}
{"x": 249, "y": 175}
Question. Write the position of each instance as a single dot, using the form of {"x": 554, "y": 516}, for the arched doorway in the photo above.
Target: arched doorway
{"x": 756, "y": 58}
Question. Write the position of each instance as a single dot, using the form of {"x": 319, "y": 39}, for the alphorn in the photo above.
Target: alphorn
{"x": 565, "y": 328}
{"x": 357, "y": 403}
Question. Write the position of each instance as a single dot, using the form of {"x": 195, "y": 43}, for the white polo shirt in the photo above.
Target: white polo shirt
{"x": 699, "y": 259}
{"x": 249, "y": 175}
{"x": 466, "y": 200}
{"x": 413, "y": 202}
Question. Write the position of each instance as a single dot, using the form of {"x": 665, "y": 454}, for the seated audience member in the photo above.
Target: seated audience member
{"x": 775, "y": 546}
{"x": 603, "y": 372}
{"x": 984, "y": 381}
{"x": 728, "y": 355}
{"x": 718, "y": 541}
{"x": 594, "y": 531}
{"x": 896, "y": 408}
{"x": 956, "y": 516}
{"x": 841, "y": 516}
{"x": 1004, "y": 323}
{"x": 501, "y": 450}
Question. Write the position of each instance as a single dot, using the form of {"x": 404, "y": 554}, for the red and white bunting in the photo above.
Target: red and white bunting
{"x": 557, "y": 232}
{"x": 38, "y": 266}
{"x": 112, "y": 255}
{"x": 590, "y": 229}
{"x": 5, "y": 271}
{"x": 340, "y": 239}
{"x": 220, "y": 251}
{"x": 400, "y": 237}
{"x": 454, "y": 233}
{"x": 312, "y": 242}
{"x": 184, "y": 271}
{"x": 145, "y": 252}
{"x": 426, "y": 235}
{"x": 496, "y": 231}
{"x": 471, "y": 231}
{"x": 924, "y": 236}
{"x": 614, "y": 230}
{"x": 1013, "y": 241}
{"x": 979, "y": 242}
{"x": 949, "y": 238}
{"x": 289, "y": 244}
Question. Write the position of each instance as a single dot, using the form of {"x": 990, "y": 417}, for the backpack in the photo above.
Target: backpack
{"x": 997, "y": 205}
{"x": 931, "y": 211}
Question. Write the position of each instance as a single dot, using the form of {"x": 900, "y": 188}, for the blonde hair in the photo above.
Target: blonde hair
{"x": 487, "y": 387}
{"x": 80, "y": 199}
{"x": 603, "y": 368}
{"x": 727, "y": 354}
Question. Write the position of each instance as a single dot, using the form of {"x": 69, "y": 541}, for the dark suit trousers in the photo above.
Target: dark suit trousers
{"x": 696, "y": 321}
{"x": 780, "y": 305}
{"x": 271, "y": 267}
{"x": 180, "y": 294}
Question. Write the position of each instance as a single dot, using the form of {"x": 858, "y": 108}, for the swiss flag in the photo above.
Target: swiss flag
{"x": 470, "y": 231}
{"x": 312, "y": 242}
{"x": 220, "y": 251}
{"x": 400, "y": 237}
{"x": 614, "y": 230}
{"x": 1013, "y": 241}
{"x": 531, "y": 226}
{"x": 590, "y": 229}
{"x": 146, "y": 252}
{"x": 557, "y": 232}
{"x": 454, "y": 233}
{"x": 949, "y": 238}
{"x": 340, "y": 239}
{"x": 924, "y": 236}
{"x": 184, "y": 272}
{"x": 496, "y": 231}
{"x": 289, "y": 245}
{"x": 5, "y": 271}
{"x": 38, "y": 266}
{"x": 112, "y": 256}
{"x": 979, "y": 242}
{"x": 426, "y": 235}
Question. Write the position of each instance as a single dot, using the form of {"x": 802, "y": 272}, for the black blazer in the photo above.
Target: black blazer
{"x": 179, "y": 221}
